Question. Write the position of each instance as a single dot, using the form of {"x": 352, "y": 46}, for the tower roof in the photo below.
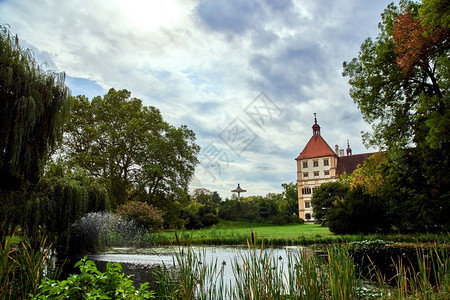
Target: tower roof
{"x": 316, "y": 147}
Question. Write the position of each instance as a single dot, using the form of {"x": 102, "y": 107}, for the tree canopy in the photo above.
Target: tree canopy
{"x": 400, "y": 80}
{"x": 33, "y": 102}
{"x": 130, "y": 146}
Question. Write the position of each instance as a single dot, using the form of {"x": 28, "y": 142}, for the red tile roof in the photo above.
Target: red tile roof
{"x": 348, "y": 164}
{"x": 316, "y": 147}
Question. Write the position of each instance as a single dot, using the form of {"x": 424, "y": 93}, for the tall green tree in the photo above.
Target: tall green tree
{"x": 33, "y": 102}
{"x": 131, "y": 147}
{"x": 400, "y": 82}
{"x": 324, "y": 198}
{"x": 290, "y": 198}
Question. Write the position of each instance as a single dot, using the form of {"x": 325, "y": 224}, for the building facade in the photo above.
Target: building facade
{"x": 319, "y": 163}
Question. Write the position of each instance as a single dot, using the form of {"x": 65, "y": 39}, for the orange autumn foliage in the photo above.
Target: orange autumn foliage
{"x": 415, "y": 44}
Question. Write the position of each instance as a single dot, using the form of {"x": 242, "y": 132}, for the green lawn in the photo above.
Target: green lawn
{"x": 227, "y": 232}
{"x": 234, "y": 233}
{"x": 269, "y": 231}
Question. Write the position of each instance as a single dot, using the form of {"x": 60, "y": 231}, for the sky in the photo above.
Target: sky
{"x": 245, "y": 76}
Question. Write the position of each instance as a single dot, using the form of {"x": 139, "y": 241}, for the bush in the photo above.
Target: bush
{"x": 234, "y": 210}
{"x": 358, "y": 212}
{"x": 93, "y": 284}
{"x": 210, "y": 219}
{"x": 279, "y": 219}
{"x": 191, "y": 220}
{"x": 142, "y": 214}
{"x": 295, "y": 219}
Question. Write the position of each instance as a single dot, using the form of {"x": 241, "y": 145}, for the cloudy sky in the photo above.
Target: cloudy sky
{"x": 245, "y": 76}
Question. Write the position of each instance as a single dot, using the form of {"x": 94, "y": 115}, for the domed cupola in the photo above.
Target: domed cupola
{"x": 316, "y": 127}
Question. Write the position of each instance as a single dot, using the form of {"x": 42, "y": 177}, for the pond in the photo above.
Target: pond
{"x": 284, "y": 270}
{"x": 140, "y": 262}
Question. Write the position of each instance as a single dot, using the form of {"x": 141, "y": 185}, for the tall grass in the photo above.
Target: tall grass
{"x": 332, "y": 274}
{"x": 428, "y": 279}
{"x": 21, "y": 266}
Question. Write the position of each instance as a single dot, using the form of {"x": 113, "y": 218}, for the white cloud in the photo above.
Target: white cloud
{"x": 202, "y": 62}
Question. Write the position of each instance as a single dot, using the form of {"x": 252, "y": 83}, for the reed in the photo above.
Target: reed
{"x": 428, "y": 279}
{"x": 328, "y": 274}
{"x": 21, "y": 266}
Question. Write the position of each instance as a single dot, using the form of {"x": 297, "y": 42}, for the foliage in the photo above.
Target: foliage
{"x": 401, "y": 79}
{"x": 216, "y": 198}
{"x": 273, "y": 208}
{"x": 129, "y": 146}
{"x": 198, "y": 215}
{"x": 59, "y": 200}
{"x": 21, "y": 265}
{"x": 400, "y": 82}
{"x": 370, "y": 174}
{"x": 32, "y": 110}
{"x": 415, "y": 203}
{"x": 202, "y": 195}
{"x": 324, "y": 197}
{"x": 142, "y": 214}
{"x": 358, "y": 212}
{"x": 289, "y": 204}
{"x": 234, "y": 210}
{"x": 96, "y": 231}
{"x": 93, "y": 284}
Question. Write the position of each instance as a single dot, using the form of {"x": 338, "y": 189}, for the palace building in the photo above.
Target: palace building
{"x": 317, "y": 164}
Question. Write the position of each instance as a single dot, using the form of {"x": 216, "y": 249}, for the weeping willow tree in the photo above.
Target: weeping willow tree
{"x": 33, "y": 103}
{"x": 58, "y": 200}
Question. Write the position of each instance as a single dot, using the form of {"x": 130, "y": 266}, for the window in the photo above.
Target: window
{"x": 315, "y": 163}
{"x": 306, "y": 191}
{"x": 307, "y": 216}
{"x": 314, "y": 188}
{"x": 305, "y": 174}
{"x": 326, "y": 173}
{"x": 316, "y": 174}
{"x": 326, "y": 162}
{"x": 305, "y": 164}
{"x": 307, "y": 204}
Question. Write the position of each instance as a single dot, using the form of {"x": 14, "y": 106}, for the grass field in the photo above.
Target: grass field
{"x": 227, "y": 232}
{"x": 234, "y": 233}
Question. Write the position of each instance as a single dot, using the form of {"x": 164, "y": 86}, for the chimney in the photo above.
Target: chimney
{"x": 336, "y": 148}
{"x": 341, "y": 152}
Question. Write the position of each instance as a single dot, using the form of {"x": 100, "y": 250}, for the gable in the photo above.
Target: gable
{"x": 316, "y": 147}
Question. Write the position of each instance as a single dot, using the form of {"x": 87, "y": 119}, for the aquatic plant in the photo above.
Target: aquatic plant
{"x": 21, "y": 266}
{"x": 328, "y": 274}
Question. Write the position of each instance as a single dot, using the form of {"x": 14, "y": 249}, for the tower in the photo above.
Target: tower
{"x": 316, "y": 164}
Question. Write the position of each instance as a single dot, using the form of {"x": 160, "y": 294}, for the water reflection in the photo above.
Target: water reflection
{"x": 139, "y": 262}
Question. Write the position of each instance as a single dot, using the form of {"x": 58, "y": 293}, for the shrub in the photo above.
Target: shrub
{"x": 191, "y": 220}
{"x": 142, "y": 214}
{"x": 210, "y": 219}
{"x": 93, "y": 284}
{"x": 279, "y": 219}
{"x": 358, "y": 212}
